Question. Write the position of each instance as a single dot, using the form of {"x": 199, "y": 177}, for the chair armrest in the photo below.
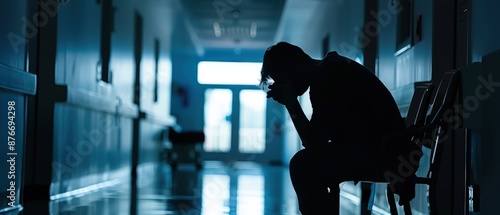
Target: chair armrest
{"x": 410, "y": 132}
{"x": 436, "y": 120}
{"x": 422, "y": 180}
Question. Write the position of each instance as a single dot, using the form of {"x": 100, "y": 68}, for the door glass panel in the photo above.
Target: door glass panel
{"x": 252, "y": 121}
{"x": 218, "y": 109}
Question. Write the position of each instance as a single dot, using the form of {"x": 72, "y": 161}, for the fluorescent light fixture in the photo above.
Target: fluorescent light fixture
{"x": 253, "y": 30}
{"x": 229, "y": 73}
{"x": 217, "y": 29}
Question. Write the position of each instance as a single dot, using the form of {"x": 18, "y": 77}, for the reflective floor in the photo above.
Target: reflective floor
{"x": 217, "y": 189}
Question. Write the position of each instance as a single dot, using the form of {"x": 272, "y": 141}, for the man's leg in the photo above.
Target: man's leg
{"x": 311, "y": 174}
{"x": 311, "y": 185}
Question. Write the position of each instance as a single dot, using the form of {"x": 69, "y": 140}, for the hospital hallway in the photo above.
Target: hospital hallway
{"x": 242, "y": 188}
{"x": 156, "y": 107}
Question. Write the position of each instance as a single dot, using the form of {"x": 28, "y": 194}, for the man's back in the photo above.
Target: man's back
{"x": 350, "y": 104}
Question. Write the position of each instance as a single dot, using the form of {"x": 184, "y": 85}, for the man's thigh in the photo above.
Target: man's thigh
{"x": 344, "y": 161}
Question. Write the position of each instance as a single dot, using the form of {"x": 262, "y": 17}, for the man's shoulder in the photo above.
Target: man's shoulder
{"x": 337, "y": 68}
{"x": 334, "y": 56}
{"x": 335, "y": 60}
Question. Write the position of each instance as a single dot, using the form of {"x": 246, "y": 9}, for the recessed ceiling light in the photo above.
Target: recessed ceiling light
{"x": 253, "y": 30}
{"x": 217, "y": 30}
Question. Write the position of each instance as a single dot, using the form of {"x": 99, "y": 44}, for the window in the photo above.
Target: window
{"x": 218, "y": 109}
{"x": 233, "y": 84}
{"x": 252, "y": 132}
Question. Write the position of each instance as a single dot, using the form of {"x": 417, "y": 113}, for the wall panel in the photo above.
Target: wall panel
{"x": 95, "y": 150}
{"x": 17, "y": 29}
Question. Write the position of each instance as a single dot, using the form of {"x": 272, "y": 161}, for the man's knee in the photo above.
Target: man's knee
{"x": 300, "y": 161}
{"x": 299, "y": 158}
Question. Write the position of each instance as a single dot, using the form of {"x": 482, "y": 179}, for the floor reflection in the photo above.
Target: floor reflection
{"x": 237, "y": 189}
{"x": 217, "y": 189}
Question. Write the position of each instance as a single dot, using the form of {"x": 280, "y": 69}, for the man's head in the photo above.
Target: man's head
{"x": 285, "y": 62}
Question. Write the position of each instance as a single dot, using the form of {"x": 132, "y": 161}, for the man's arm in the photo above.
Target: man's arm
{"x": 285, "y": 94}
{"x": 299, "y": 120}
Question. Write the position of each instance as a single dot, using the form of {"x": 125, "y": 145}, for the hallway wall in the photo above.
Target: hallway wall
{"x": 81, "y": 60}
{"x": 103, "y": 94}
{"x": 86, "y": 151}
{"x": 482, "y": 117}
{"x": 16, "y": 83}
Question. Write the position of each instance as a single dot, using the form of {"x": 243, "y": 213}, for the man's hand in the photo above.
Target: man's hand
{"x": 283, "y": 93}
{"x": 286, "y": 94}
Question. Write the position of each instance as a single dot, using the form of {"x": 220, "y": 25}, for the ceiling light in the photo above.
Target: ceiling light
{"x": 253, "y": 30}
{"x": 217, "y": 29}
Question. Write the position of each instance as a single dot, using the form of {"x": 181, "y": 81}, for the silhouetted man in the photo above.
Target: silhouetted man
{"x": 352, "y": 112}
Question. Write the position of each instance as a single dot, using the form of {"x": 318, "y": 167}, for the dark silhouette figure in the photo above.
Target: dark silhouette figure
{"x": 352, "y": 112}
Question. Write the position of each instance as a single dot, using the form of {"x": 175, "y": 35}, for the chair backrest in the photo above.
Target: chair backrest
{"x": 442, "y": 102}
{"x": 444, "y": 95}
{"x": 419, "y": 105}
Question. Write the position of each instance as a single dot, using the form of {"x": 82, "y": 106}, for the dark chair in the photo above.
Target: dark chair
{"x": 186, "y": 147}
{"x": 429, "y": 134}
{"x": 435, "y": 128}
{"x": 419, "y": 105}
{"x": 425, "y": 132}
{"x": 415, "y": 117}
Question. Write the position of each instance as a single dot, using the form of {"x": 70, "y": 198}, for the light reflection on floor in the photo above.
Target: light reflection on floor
{"x": 236, "y": 189}
{"x": 217, "y": 189}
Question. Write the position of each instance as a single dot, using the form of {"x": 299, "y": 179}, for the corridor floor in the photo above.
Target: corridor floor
{"x": 217, "y": 189}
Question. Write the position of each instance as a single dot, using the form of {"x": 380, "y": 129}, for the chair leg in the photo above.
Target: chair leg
{"x": 366, "y": 194}
{"x": 432, "y": 199}
{"x": 392, "y": 201}
{"x": 407, "y": 208}
{"x": 335, "y": 200}
{"x": 372, "y": 197}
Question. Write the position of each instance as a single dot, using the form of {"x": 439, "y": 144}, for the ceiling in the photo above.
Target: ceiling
{"x": 245, "y": 24}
